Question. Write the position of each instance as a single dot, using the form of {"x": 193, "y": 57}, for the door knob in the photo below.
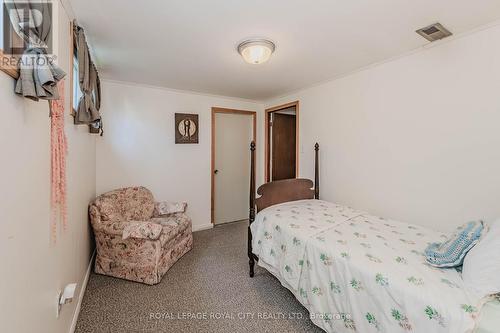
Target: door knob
{"x": 216, "y": 171}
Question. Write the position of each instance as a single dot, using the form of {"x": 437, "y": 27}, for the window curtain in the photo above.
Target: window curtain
{"x": 89, "y": 104}
{"x": 39, "y": 74}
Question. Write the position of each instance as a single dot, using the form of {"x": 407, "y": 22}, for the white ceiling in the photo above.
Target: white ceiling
{"x": 191, "y": 44}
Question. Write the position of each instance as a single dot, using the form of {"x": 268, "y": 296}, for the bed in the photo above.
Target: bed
{"x": 354, "y": 271}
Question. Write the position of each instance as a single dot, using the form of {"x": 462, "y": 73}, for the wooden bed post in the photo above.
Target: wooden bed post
{"x": 316, "y": 171}
{"x": 251, "y": 218}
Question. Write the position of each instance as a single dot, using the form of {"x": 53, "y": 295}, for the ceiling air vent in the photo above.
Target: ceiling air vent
{"x": 434, "y": 32}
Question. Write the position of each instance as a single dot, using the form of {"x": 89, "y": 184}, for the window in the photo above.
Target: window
{"x": 77, "y": 93}
{"x": 88, "y": 117}
{"x": 1, "y": 26}
{"x": 8, "y": 64}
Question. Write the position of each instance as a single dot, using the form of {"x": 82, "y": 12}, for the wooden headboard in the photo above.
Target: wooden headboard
{"x": 280, "y": 191}
{"x": 277, "y": 192}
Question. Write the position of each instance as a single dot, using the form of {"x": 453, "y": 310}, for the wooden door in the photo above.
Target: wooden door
{"x": 283, "y": 149}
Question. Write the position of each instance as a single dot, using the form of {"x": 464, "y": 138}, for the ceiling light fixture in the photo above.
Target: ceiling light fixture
{"x": 256, "y": 51}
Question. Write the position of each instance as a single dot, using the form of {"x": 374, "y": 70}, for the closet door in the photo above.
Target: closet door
{"x": 233, "y": 134}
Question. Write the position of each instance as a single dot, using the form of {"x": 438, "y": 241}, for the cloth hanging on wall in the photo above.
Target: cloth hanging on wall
{"x": 89, "y": 104}
{"x": 38, "y": 75}
{"x": 59, "y": 148}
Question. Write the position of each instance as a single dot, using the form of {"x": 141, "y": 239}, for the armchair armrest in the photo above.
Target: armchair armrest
{"x": 142, "y": 230}
{"x": 132, "y": 229}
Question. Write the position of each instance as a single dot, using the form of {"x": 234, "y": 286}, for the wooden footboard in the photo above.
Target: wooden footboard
{"x": 277, "y": 192}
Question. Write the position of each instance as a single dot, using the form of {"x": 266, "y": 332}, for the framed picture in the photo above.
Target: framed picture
{"x": 186, "y": 128}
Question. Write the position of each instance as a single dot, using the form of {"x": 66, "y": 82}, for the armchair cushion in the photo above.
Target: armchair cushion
{"x": 173, "y": 225}
{"x": 142, "y": 230}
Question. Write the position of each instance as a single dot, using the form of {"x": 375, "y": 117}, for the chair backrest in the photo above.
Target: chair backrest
{"x": 131, "y": 203}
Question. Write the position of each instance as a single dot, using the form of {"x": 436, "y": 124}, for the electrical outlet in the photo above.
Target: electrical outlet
{"x": 64, "y": 297}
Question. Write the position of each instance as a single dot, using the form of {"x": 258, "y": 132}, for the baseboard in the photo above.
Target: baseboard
{"x": 203, "y": 227}
{"x": 80, "y": 296}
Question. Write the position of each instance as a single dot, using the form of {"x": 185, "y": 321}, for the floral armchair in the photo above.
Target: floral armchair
{"x": 135, "y": 239}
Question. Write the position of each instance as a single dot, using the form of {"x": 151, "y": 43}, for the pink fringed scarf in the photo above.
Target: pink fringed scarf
{"x": 58, "y": 148}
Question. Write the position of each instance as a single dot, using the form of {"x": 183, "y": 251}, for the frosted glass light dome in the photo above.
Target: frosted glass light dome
{"x": 256, "y": 51}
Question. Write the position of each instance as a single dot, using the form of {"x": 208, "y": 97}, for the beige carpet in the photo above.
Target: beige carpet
{"x": 208, "y": 290}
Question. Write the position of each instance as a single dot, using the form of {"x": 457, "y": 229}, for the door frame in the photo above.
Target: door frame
{"x": 267, "y": 157}
{"x": 216, "y": 110}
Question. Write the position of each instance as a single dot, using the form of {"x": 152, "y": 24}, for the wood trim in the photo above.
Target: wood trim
{"x": 224, "y": 110}
{"x": 212, "y": 167}
{"x": 282, "y": 106}
{"x": 12, "y": 71}
{"x": 267, "y": 158}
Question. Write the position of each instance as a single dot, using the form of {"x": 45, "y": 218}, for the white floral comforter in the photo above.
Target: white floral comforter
{"x": 357, "y": 272}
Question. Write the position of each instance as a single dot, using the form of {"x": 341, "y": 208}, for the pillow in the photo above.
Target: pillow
{"x": 452, "y": 252}
{"x": 166, "y": 207}
{"x": 481, "y": 271}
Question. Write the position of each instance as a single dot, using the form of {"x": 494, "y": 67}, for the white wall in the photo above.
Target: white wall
{"x": 138, "y": 146}
{"x": 33, "y": 269}
{"x": 415, "y": 139}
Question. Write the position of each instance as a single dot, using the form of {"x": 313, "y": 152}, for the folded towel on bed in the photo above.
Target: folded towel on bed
{"x": 452, "y": 252}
